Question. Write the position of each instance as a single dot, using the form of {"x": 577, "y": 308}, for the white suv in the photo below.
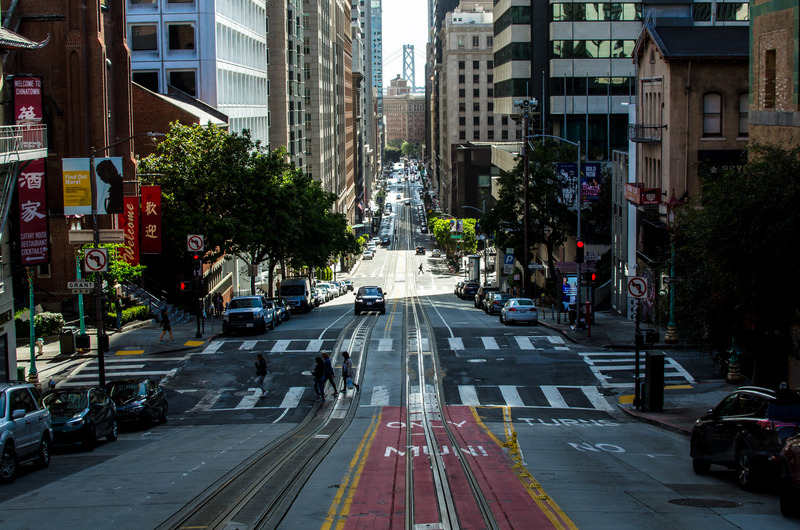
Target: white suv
{"x": 25, "y": 429}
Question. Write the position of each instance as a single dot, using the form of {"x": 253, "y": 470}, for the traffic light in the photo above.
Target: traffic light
{"x": 579, "y": 251}
{"x": 197, "y": 264}
{"x": 184, "y": 286}
{"x": 592, "y": 277}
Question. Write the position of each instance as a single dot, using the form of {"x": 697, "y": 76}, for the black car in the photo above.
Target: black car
{"x": 139, "y": 401}
{"x": 421, "y": 250}
{"x": 481, "y": 295}
{"x": 282, "y": 310}
{"x": 746, "y": 432}
{"x": 469, "y": 290}
{"x": 385, "y": 241}
{"x": 80, "y": 416}
{"x": 370, "y": 298}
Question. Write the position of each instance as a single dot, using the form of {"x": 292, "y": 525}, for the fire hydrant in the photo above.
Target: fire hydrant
{"x": 40, "y": 345}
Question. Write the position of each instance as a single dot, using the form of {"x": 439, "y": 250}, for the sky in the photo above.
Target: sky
{"x": 404, "y": 22}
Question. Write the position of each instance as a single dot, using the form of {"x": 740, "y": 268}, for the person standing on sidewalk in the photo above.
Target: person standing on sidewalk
{"x": 261, "y": 374}
{"x": 118, "y": 311}
{"x": 326, "y": 360}
{"x": 319, "y": 379}
{"x": 347, "y": 372}
{"x": 166, "y": 327}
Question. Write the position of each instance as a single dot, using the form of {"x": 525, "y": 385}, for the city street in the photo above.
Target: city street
{"x": 578, "y": 460}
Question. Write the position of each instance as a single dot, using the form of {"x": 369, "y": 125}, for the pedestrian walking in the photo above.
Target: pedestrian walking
{"x": 118, "y": 311}
{"x": 165, "y": 326}
{"x": 347, "y": 372}
{"x": 261, "y": 374}
{"x": 420, "y": 268}
{"x": 319, "y": 379}
{"x": 326, "y": 360}
{"x": 218, "y": 303}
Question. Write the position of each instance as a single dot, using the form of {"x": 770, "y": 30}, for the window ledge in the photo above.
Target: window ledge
{"x": 712, "y": 138}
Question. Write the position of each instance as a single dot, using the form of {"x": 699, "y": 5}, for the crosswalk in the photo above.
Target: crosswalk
{"x": 87, "y": 374}
{"x": 529, "y": 343}
{"x": 615, "y": 369}
{"x": 272, "y": 345}
{"x": 540, "y": 397}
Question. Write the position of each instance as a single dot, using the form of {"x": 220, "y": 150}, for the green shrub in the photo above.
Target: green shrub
{"x": 44, "y": 324}
{"x": 130, "y": 314}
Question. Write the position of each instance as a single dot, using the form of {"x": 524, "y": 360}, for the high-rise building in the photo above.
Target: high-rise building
{"x": 376, "y": 34}
{"x": 404, "y": 113}
{"x": 212, "y": 50}
{"x": 285, "y": 41}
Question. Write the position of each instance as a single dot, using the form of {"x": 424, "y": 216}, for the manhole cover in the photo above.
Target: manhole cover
{"x": 705, "y": 503}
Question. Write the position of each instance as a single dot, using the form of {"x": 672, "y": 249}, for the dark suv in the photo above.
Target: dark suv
{"x": 370, "y": 298}
{"x": 25, "y": 429}
{"x": 746, "y": 432}
{"x": 480, "y": 296}
{"x": 469, "y": 290}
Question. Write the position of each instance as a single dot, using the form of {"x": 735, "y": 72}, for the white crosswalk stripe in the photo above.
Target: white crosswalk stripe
{"x": 615, "y": 369}
{"x": 547, "y": 396}
{"x": 526, "y": 343}
{"x": 490, "y": 343}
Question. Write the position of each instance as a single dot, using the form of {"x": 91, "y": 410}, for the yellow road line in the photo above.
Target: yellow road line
{"x": 548, "y": 506}
{"x": 129, "y": 352}
{"x": 357, "y": 466}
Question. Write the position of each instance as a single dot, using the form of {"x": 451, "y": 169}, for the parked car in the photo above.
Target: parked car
{"x": 281, "y": 309}
{"x": 789, "y": 485}
{"x": 481, "y": 294}
{"x": 368, "y": 254}
{"x": 385, "y": 241}
{"x": 138, "y": 401}
{"x": 297, "y": 293}
{"x": 457, "y": 288}
{"x": 333, "y": 290}
{"x": 369, "y": 298}
{"x": 423, "y": 229}
{"x": 469, "y": 289}
{"x": 519, "y": 310}
{"x": 348, "y": 284}
{"x": 81, "y": 416}
{"x": 276, "y": 318}
{"x": 25, "y": 429}
{"x": 436, "y": 253}
{"x": 421, "y": 250}
{"x": 248, "y": 313}
{"x": 317, "y": 297}
{"x": 495, "y": 301}
{"x": 746, "y": 432}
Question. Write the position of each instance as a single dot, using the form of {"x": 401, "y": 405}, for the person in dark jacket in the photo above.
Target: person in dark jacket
{"x": 165, "y": 325}
{"x": 261, "y": 374}
{"x": 347, "y": 372}
{"x": 326, "y": 360}
{"x": 319, "y": 379}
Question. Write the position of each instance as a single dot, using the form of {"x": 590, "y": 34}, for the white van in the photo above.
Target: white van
{"x": 297, "y": 293}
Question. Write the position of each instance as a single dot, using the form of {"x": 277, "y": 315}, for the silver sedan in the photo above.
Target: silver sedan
{"x": 519, "y": 310}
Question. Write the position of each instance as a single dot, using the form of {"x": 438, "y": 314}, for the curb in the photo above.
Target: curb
{"x": 653, "y": 421}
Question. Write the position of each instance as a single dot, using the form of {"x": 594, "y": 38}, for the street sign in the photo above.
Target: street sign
{"x": 456, "y": 236}
{"x": 535, "y": 266}
{"x": 508, "y": 259}
{"x": 96, "y": 260}
{"x": 81, "y": 287}
{"x": 194, "y": 242}
{"x": 80, "y": 237}
{"x": 637, "y": 287}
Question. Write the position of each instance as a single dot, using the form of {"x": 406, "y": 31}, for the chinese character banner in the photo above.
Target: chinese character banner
{"x": 151, "y": 220}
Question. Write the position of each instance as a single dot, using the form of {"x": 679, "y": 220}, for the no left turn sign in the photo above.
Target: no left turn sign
{"x": 637, "y": 287}
{"x": 96, "y": 260}
{"x": 194, "y": 242}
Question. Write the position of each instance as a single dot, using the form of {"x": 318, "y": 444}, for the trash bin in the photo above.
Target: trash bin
{"x": 83, "y": 342}
{"x": 652, "y": 336}
{"x": 104, "y": 342}
{"x": 20, "y": 373}
{"x": 654, "y": 382}
{"x": 67, "y": 340}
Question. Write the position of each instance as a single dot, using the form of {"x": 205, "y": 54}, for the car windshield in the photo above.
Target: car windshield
{"x": 788, "y": 412}
{"x": 125, "y": 391}
{"x": 524, "y": 301}
{"x": 65, "y": 401}
{"x": 292, "y": 290}
{"x": 500, "y": 296}
{"x": 369, "y": 291}
{"x": 244, "y": 303}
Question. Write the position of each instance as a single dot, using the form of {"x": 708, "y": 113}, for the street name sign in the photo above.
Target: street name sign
{"x": 80, "y": 287}
{"x": 82, "y": 237}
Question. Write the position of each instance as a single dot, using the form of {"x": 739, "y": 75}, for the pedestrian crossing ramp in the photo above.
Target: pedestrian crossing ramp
{"x": 616, "y": 369}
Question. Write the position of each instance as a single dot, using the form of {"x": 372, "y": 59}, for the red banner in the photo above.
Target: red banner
{"x": 31, "y": 183}
{"x": 129, "y": 222}
{"x": 151, "y": 219}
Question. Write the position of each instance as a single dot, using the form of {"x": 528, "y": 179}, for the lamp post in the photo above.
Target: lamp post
{"x": 578, "y": 209}
{"x": 671, "y": 336}
{"x": 98, "y": 293}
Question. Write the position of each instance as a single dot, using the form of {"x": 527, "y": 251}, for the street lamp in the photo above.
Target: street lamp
{"x": 578, "y": 208}
{"x": 101, "y": 367}
{"x": 671, "y": 336}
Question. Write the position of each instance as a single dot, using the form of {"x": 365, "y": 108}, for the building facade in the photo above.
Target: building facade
{"x": 404, "y": 113}
{"x": 213, "y": 50}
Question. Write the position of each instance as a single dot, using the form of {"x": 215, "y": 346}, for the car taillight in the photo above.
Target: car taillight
{"x": 769, "y": 425}
{"x": 512, "y": 308}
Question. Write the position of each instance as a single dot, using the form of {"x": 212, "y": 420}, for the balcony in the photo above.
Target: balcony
{"x": 22, "y": 142}
{"x": 645, "y": 134}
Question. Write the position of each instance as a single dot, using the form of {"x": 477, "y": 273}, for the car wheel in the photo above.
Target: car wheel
{"x": 164, "y": 414}
{"x": 383, "y": 311}
{"x": 90, "y": 438}
{"x": 112, "y": 436}
{"x": 43, "y": 456}
{"x": 789, "y": 495}
{"x": 145, "y": 418}
{"x": 8, "y": 465}
{"x": 699, "y": 464}
{"x": 745, "y": 471}
{"x": 356, "y": 312}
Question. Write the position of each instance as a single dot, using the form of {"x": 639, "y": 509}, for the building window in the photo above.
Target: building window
{"x": 770, "y": 79}
{"x": 490, "y": 121}
{"x": 476, "y": 65}
{"x": 144, "y": 38}
{"x": 462, "y": 135}
{"x": 143, "y": 2}
{"x": 489, "y": 79}
{"x": 489, "y": 92}
{"x": 149, "y": 80}
{"x": 476, "y": 120}
{"x": 476, "y": 106}
{"x": 744, "y": 106}
{"x": 476, "y": 41}
{"x": 460, "y": 41}
{"x": 476, "y": 135}
{"x": 490, "y": 106}
{"x": 181, "y": 36}
{"x": 462, "y": 120}
{"x": 476, "y": 92}
{"x": 462, "y": 79}
{"x": 712, "y": 114}
{"x": 504, "y": 135}
{"x": 462, "y": 93}
{"x": 462, "y": 107}
{"x": 185, "y": 81}
{"x": 504, "y": 120}
{"x": 476, "y": 78}
{"x": 490, "y": 65}
{"x": 461, "y": 65}
{"x": 490, "y": 132}
{"x": 489, "y": 41}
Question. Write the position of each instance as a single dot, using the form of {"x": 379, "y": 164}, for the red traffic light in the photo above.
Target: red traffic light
{"x": 593, "y": 277}
{"x": 580, "y": 244}
{"x": 579, "y": 251}
{"x": 184, "y": 286}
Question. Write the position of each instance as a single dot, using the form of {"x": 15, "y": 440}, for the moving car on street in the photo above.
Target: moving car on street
{"x": 138, "y": 401}
{"x": 746, "y": 432}
{"x": 519, "y": 310}
{"x": 436, "y": 253}
{"x": 421, "y": 250}
{"x": 81, "y": 416}
{"x": 369, "y": 298}
{"x": 248, "y": 313}
{"x": 25, "y": 429}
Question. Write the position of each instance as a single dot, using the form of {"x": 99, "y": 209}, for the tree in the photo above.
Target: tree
{"x": 549, "y": 221}
{"x": 391, "y": 154}
{"x": 735, "y": 252}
